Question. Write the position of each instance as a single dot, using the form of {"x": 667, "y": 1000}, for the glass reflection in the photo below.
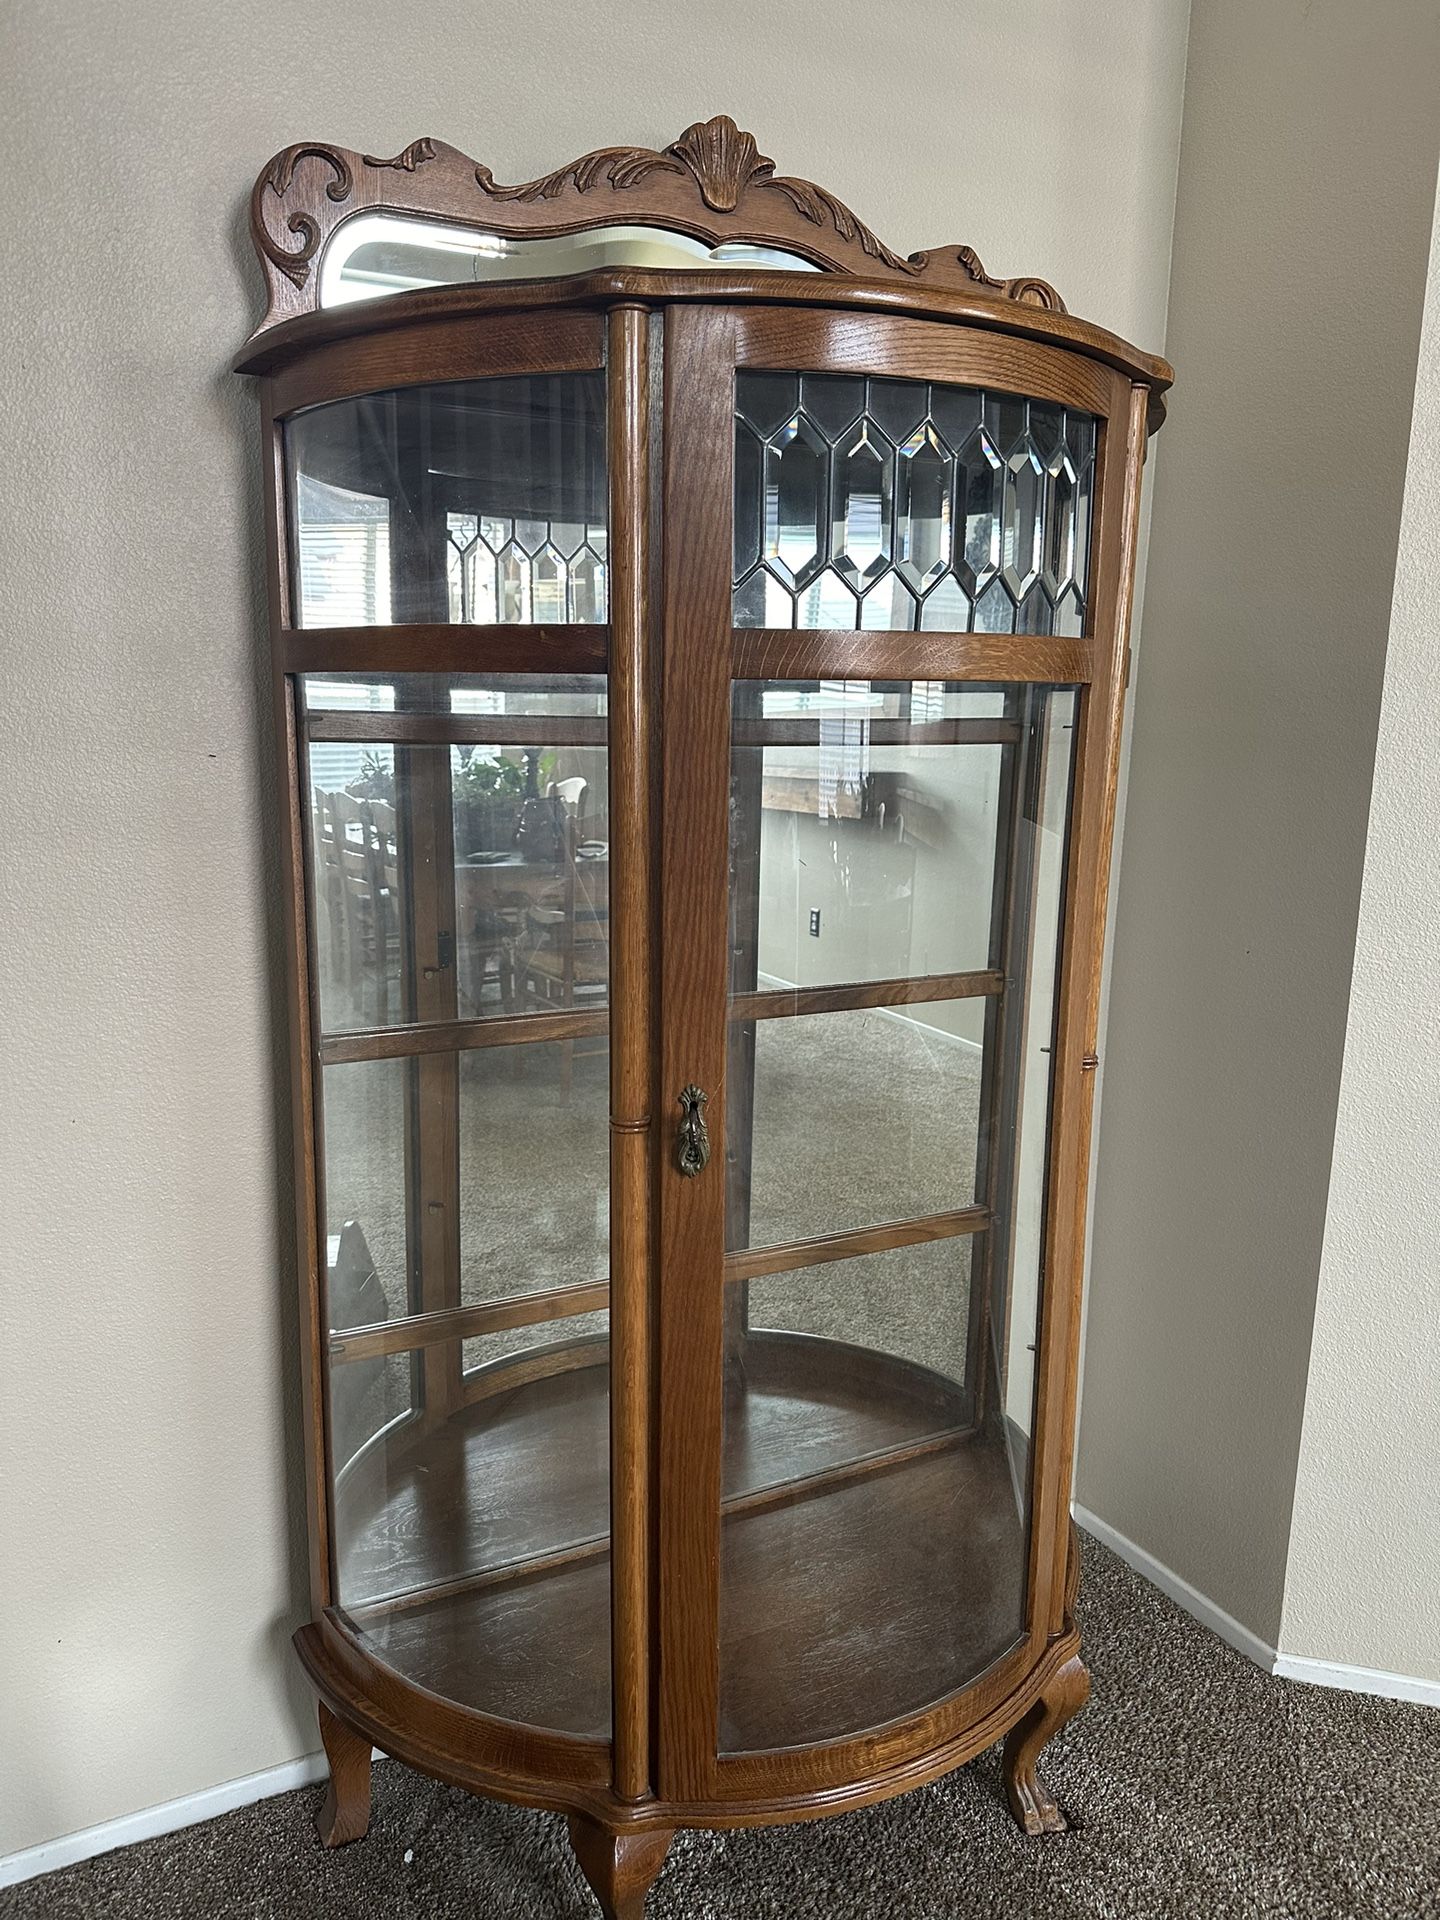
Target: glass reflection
{"x": 479, "y": 502}
{"x": 466, "y": 880}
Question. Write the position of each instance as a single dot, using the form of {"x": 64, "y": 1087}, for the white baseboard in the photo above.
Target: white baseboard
{"x": 1195, "y": 1603}
{"x": 1330, "y": 1673}
{"x": 166, "y": 1818}
{"x": 1286, "y": 1666}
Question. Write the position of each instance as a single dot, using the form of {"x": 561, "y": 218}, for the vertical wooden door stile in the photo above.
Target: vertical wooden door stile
{"x": 632, "y": 909}
{"x": 699, "y": 385}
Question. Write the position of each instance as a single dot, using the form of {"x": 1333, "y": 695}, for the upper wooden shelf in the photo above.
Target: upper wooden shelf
{"x": 712, "y": 184}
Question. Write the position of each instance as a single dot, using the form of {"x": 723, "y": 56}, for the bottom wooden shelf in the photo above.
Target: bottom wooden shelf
{"x": 872, "y": 1557}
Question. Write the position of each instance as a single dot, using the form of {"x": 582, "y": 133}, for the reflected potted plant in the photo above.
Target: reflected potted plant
{"x": 376, "y": 778}
{"x": 489, "y": 792}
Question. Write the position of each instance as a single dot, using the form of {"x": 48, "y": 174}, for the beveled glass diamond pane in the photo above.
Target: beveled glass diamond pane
{"x": 890, "y": 607}
{"x": 946, "y": 608}
{"x": 749, "y": 609}
{"x": 531, "y": 534}
{"x": 462, "y": 528}
{"x": 514, "y": 585}
{"x": 1084, "y": 487}
{"x": 863, "y": 502}
{"x": 547, "y": 574}
{"x": 779, "y": 603}
{"x": 897, "y": 406}
{"x": 833, "y": 401}
{"x": 567, "y": 536}
{"x": 923, "y": 518}
{"x": 767, "y": 400}
{"x": 1047, "y": 424}
{"x": 795, "y": 501}
{"x": 1059, "y": 568}
{"x": 749, "y": 498}
{"x": 1036, "y": 613}
{"x": 978, "y": 496}
{"x": 1005, "y": 417}
{"x": 472, "y": 587}
{"x": 827, "y": 602}
{"x": 955, "y": 413}
{"x": 1070, "y": 615}
{"x": 1024, "y": 503}
{"x": 1079, "y": 438}
{"x": 995, "y": 610}
{"x": 587, "y": 586}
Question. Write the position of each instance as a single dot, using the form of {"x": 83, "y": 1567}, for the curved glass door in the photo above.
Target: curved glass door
{"x": 897, "y": 863}
{"x": 481, "y": 502}
{"x": 459, "y": 883}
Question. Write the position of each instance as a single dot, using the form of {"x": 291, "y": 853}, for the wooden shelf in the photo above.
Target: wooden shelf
{"x": 474, "y": 1554}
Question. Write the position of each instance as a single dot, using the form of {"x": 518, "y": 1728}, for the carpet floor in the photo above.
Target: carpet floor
{"x": 1201, "y": 1789}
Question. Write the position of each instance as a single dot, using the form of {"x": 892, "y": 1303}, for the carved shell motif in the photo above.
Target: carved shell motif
{"x": 723, "y": 160}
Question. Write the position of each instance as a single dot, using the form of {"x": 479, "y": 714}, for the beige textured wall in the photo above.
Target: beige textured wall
{"x": 150, "y": 1480}
{"x": 1363, "y": 1583}
{"x": 1306, "y": 186}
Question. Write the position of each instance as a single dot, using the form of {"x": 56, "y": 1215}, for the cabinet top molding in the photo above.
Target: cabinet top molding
{"x": 712, "y": 183}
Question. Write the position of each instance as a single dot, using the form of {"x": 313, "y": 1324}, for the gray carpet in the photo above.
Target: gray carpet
{"x": 1203, "y": 1789}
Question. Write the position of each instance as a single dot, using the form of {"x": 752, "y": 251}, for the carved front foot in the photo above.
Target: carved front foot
{"x": 345, "y": 1815}
{"x": 619, "y": 1866}
{"x": 1031, "y": 1801}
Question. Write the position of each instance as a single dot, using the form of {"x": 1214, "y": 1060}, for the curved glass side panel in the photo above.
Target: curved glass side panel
{"x": 888, "y": 504}
{"x": 896, "y": 876}
{"x": 479, "y": 502}
{"x": 459, "y": 875}
{"x": 383, "y": 253}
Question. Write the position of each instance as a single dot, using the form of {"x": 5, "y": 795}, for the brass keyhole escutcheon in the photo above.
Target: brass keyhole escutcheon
{"x": 693, "y": 1143}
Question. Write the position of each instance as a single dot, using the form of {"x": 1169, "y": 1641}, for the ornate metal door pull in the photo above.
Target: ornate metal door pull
{"x": 693, "y": 1146}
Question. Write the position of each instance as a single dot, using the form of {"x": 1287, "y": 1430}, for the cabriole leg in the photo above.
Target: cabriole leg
{"x": 345, "y": 1815}
{"x": 619, "y": 1866}
{"x": 1031, "y": 1801}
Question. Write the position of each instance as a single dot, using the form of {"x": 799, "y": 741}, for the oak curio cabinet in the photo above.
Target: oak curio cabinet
{"x": 700, "y": 644}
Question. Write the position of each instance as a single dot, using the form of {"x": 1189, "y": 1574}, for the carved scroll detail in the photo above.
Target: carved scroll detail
{"x": 1029, "y": 292}
{"x": 620, "y": 166}
{"x": 816, "y": 204}
{"x": 294, "y": 262}
{"x": 722, "y": 160}
{"x": 406, "y": 161}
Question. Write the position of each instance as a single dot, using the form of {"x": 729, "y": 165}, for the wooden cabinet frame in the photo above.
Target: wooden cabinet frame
{"x": 671, "y": 344}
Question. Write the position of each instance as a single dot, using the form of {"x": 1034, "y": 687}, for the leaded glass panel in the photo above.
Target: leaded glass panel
{"x": 884, "y": 504}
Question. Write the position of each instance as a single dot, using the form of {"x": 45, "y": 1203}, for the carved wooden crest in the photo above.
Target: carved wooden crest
{"x": 713, "y": 183}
